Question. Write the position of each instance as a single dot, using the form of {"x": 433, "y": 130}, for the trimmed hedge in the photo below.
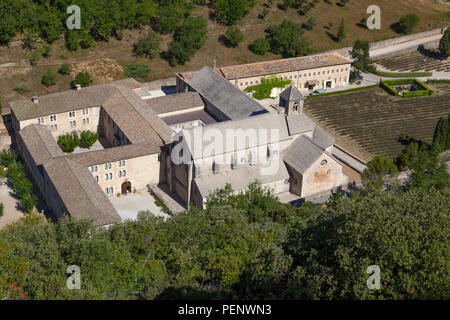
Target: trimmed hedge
{"x": 403, "y": 74}
{"x": 386, "y": 85}
{"x": 438, "y": 81}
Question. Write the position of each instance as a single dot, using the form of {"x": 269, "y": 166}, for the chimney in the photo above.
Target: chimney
{"x": 35, "y": 99}
{"x": 77, "y": 87}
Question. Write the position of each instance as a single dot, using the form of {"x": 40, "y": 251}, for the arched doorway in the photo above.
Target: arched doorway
{"x": 126, "y": 187}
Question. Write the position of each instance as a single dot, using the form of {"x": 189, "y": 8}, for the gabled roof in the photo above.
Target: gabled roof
{"x": 299, "y": 123}
{"x": 302, "y": 153}
{"x": 40, "y": 143}
{"x": 283, "y": 65}
{"x": 80, "y": 193}
{"x": 291, "y": 93}
{"x": 322, "y": 138}
{"x": 218, "y": 91}
{"x": 175, "y": 102}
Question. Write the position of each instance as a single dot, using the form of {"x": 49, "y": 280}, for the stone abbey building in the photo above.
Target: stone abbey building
{"x": 139, "y": 135}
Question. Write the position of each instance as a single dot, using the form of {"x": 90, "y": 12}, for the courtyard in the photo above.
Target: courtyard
{"x": 130, "y": 204}
{"x": 11, "y": 212}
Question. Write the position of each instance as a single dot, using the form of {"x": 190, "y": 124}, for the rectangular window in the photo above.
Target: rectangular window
{"x": 96, "y": 178}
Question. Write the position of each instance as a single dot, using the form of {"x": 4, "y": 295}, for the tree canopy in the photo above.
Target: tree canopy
{"x": 287, "y": 40}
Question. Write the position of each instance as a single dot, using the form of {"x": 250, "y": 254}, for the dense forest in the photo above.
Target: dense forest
{"x": 251, "y": 246}
{"x": 105, "y": 18}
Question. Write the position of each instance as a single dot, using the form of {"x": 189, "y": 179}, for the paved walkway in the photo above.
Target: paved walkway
{"x": 10, "y": 211}
{"x": 129, "y": 205}
{"x": 403, "y": 46}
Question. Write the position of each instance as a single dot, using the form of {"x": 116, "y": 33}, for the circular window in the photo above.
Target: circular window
{"x": 323, "y": 162}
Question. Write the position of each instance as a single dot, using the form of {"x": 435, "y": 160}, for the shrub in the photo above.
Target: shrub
{"x": 137, "y": 70}
{"x": 1, "y": 209}
{"x": 310, "y": 23}
{"x": 21, "y": 89}
{"x": 231, "y": 11}
{"x": 68, "y": 142}
{"x": 83, "y": 79}
{"x": 407, "y": 23}
{"x": 233, "y": 37}
{"x": 441, "y": 136}
{"x": 260, "y": 46}
{"x": 49, "y": 78}
{"x": 65, "y": 69}
{"x": 148, "y": 46}
{"x": 89, "y": 138}
{"x": 444, "y": 44}
{"x": 263, "y": 90}
{"x": 427, "y": 91}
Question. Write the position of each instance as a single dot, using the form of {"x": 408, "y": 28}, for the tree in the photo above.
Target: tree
{"x": 137, "y": 70}
{"x": 231, "y": 11}
{"x": 260, "y": 46}
{"x": 83, "y": 79}
{"x": 68, "y": 142}
{"x": 444, "y": 44}
{"x": 233, "y": 37}
{"x": 407, "y": 23}
{"x": 341, "y": 32}
{"x": 188, "y": 38}
{"x": 409, "y": 156}
{"x": 404, "y": 234}
{"x": 441, "y": 137}
{"x": 1, "y": 210}
{"x": 49, "y": 78}
{"x": 89, "y": 138}
{"x": 170, "y": 14}
{"x": 287, "y": 39}
{"x": 380, "y": 170}
{"x": 148, "y": 46}
{"x": 361, "y": 58}
{"x": 65, "y": 69}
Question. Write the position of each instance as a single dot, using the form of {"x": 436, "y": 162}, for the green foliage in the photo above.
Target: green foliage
{"x": 403, "y": 74}
{"x": 188, "y": 38}
{"x": 19, "y": 180}
{"x": 360, "y": 56}
{"x": 68, "y": 142}
{"x": 263, "y": 90}
{"x": 405, "y": 234}
{"x": 409, "y": 156}
{"x": 233, "y": 37}
{"x": 137, "y": 70}
{"x": 441, "y": 136}
{"x": 380, "y": 171}
{"x": 407, "y": 23}
{"x": 341, "y": 32}
{"x": 49, "y": 78}
{"x": 21, "y": 89}
{"x": 444, "y": 44}
{"x": 83, "y": 79}
{"x": 1, "y": 210}
{"x": 170, "y": 13}
{"x": 88, "y": 137}
{"x": 65, "y": 69}
{"x": 260, "y": 46}
{"x": 287, "y": 39}
{"x": 148, "y": 46}
{"x": 231, "y": 11}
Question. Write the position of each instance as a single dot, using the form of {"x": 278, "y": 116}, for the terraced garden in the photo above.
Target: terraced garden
{"x": 414, "y": 61}
{"x": 376, "y": 121}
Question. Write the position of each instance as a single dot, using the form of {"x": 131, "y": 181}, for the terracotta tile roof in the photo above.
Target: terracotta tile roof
{"x": 125, "y": 152}
{"x": 80, "y": 193}
{"x": 175, "y": 102}
{"x": 40, "y": 143}
{"x": 283, "y": 65}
